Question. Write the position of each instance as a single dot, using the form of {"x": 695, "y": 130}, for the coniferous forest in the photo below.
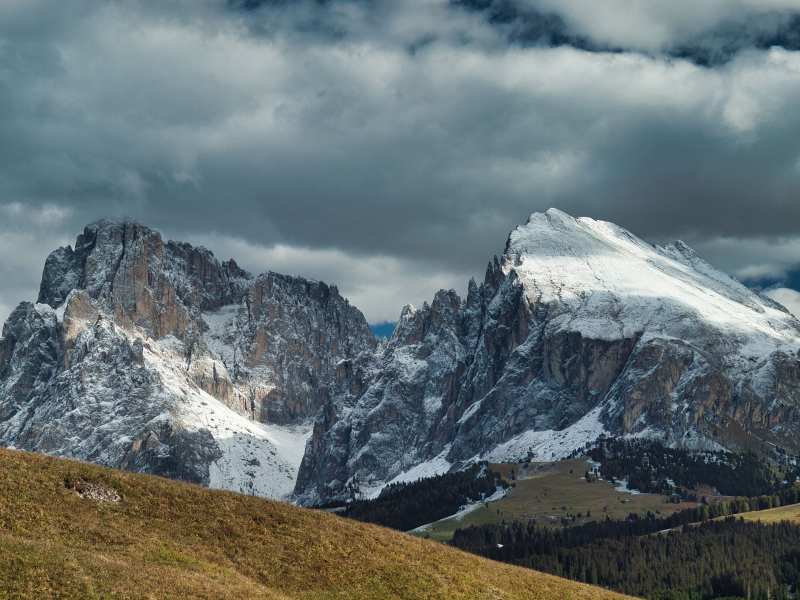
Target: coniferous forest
{"x": 702, "y": 559}
{"x": 405, "y": 506}
{"x": 651, "y": 467}
{"x": 648, "y": 557}
{"x": 716, "y": 559}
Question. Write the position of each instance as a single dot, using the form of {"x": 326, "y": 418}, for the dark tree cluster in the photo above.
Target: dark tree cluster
{"x": 716, "y": 559}
{"x": 651, "y": 467}
{"x": 635, "y": 525}
{"x": 406, "y": 506}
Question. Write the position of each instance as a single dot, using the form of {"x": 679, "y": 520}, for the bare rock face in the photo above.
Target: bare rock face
{"x": 120, "y": 266}
{"x": 156, "y": 357}
{"x": 292, "y": 335}
{"x": 274, "y": 355}
{"x": 579, "y": 329}
{"x": 201, "y": 281}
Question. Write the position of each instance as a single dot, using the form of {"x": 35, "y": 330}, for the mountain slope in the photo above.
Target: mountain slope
{"x": 579, "y": 329}
{"x": 169, "y": 539}
{"x": 156, "y": 357}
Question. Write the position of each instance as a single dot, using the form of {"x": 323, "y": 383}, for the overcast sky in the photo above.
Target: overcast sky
{"x": 390, "y": 146}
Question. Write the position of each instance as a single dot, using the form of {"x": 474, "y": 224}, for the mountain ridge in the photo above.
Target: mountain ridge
{"x": 580, "y": 329}
{"x": 157, "y": 357}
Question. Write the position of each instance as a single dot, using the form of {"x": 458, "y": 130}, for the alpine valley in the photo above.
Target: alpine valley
{"x": 153, "y": 356}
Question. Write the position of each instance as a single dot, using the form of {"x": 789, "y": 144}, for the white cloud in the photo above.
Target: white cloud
{"x": 761, "y": 271}
{"x": 789, "y": 298}
{"x": 379, "y": 286}
{"x": 27, "y": 236}
{"x": 751, "y": 259}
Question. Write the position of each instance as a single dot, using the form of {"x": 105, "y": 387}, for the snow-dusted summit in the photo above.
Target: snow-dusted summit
{"x": 579, "y": 329}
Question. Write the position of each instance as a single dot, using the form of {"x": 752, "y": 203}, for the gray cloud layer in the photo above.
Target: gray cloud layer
{"x": 390, "y": 146}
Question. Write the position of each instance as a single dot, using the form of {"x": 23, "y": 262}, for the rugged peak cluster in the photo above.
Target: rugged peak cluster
{"x": 156, "y": 357}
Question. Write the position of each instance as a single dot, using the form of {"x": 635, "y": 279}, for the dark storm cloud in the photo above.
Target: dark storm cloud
{"x": 391, "y": 146}
{"x": 761, "y": 31}
{"x": 527, "y": 26}
{"x": 714, "y": 45}
{"x": 696, "y": 185}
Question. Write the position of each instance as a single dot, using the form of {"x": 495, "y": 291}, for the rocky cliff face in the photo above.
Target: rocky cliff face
{"x": 579, "y": 329}
{"x": 157, "y": 357}
{"x": 283, "y": 343}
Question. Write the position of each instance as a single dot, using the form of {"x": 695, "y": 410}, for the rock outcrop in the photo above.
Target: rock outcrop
{"x": 283, "y": 344}
{"x": 156, "y": 357}
{"x": 579, "y": 329}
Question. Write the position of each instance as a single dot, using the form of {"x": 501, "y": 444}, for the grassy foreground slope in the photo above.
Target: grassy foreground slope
{"x": 167, "y": 539}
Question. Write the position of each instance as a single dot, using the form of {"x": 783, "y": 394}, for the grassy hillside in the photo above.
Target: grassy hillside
{"x": 545, "y": 492}
{"x": 167, "y": 539}
{"x": 789, "y": 513}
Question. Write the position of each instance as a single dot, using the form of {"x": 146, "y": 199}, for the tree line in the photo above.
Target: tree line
{"x": 646, "y": 557}
{"x": 406, "y": 506}
{"x": 716, "y": 559}
{"x": 651, "y": 467}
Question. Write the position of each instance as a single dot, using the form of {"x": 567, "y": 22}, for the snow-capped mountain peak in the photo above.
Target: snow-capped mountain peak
{"x": 580, "y": 328}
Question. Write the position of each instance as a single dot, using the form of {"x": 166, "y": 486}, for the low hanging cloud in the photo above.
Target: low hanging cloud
{"x": 403, "y": 140}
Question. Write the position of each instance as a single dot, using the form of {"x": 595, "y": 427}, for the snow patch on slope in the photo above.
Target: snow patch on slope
{"x": 473, "y": 506}
{"x": 221, "y": 332}
{"x": 550, "y": 444}
{"x": 622, "y": 486}
{"x": 260, "y": 459}
{"x": 431, "y": 468}
{"x": 462, "y": 511}
{"x": 257, "y": 459}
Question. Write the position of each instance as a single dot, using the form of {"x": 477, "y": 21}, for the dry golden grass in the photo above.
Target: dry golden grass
{"x": 168, "y": 539}
{"x": 773, "y": 515}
